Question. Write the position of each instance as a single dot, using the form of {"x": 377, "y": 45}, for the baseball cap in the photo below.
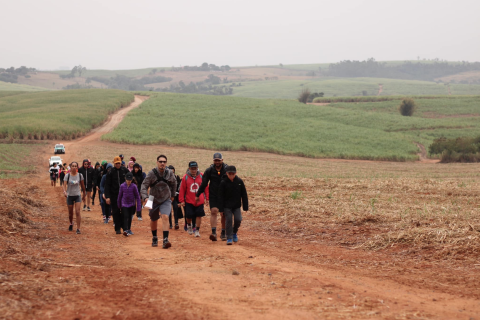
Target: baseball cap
{"x": 133, "y": 159}
{"x": 104, "y": 162}
{"x": 117, "y": 160}
{"x": 231, "y": 169}
{"x": 217, "y": 155}
{"x": 121, "y": 156}
{"x": 129, "y": 176}
{"x": 192, "y": 164}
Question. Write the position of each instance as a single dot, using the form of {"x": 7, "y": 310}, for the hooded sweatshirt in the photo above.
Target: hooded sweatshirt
{"x": 130, "y": 168}
{"x": 128, "y": 195}
{"x": 162, "y": 190}
{"x": 214, "y": 177}
{"x": 113, "y": 181}
{"x": 189, "y": 187}
{"x": 232, "y": 194}
{"x": 139, "y": 176}
{"x": 104, "y": 177}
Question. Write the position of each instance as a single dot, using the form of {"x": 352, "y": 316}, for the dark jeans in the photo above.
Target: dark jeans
{"x": 116, "y": 212}
{"x": 177, "y": 211}
{"x": 127, "y": 214}
{"x": 236, "y": 214}
{"x": 94, "y": 193}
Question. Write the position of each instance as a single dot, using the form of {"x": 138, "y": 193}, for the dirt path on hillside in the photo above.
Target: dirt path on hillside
{"x": 102, "y": 275}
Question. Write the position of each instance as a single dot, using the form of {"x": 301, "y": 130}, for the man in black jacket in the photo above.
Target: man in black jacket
{"x": 113, "y": 181}
{"x": 214, "y": 174}
{"x": 231, "y": 195}
{"x": 87, "y": 171}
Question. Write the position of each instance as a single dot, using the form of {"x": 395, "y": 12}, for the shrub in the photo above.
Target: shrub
{"x": 456, "y": 150}
{"x": 303, "y": 95}
{"x": 407, "y": 107}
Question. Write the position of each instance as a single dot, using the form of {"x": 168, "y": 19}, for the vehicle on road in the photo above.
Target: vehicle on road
{"x": 59, "y": 148}
{"x": 56, "y": 159}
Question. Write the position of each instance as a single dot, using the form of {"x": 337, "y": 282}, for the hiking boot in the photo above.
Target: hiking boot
{"x": 154, "y": 242}
{"x": 213, "y": 237}
{"x": 229, "y": 242}
{"x": 177, "y": 227}
{"x": 84, "y": 207}
{"x": 125, "y": 233}
{"x": 130, "y": 233}
{"x": 166, "y": 244}
{"x": 197, "y": 233}
{"x": 189, "y": 230}
{"x": 78, "y": 231}
{"x": 70, "y": 227}
{"x": 88, "y": 209}
{"x": 139, "y": 219}
{"x": 235, "y": 238}
{"x": 223, "y": 236}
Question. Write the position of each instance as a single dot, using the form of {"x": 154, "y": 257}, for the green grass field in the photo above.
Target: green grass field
{"x": 344, "y": 87}
{"x": 373, "y": 130}
{"x": 15, "y": 159}
{"x": 58, "y": 114}
{"x": 7, "y": 86}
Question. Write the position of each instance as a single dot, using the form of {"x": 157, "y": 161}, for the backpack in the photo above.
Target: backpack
{"x": 159, "y": 179}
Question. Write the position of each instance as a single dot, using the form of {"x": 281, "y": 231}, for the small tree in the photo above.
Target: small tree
{"x": 407, "y": 107}
{"x": 303, "y": 95}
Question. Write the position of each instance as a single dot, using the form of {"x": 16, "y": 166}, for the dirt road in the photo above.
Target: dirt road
{"x": 53, "y": 273}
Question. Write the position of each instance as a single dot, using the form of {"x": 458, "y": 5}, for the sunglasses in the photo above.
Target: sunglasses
{"x": 161, "y": 161}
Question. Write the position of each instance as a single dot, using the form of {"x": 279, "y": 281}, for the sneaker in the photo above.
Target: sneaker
{"x": 130, "y": 232}
{"x": 185, "y": 227}
{"x": 235, "y": 238}
{"x": 213, "y": 237}
{"x": 189, "y": 230}
{"x": 139, "y": 219}
{"x": 70, "y": 227}
{"x": 177, "y": 227}
{"x": 229, "y": 242}
{"x": 78, "y": 231}
{"x": 223, "y": 236}
{"x": 84, "y": 207}
{"x": 125, "y": 233}
{"x": 166, "y": 243}
{"x": 171, "y": 227}
{"x": 105, "y": 220}
{"x": 88, "y": 209}
{"x": 154, "y": 242}
{"x": 197, "y": 233}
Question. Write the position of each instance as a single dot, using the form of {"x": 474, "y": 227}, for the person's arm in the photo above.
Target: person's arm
{"x": 145, "y": 185}
{"x": 244, "y": 197}
{"x": 221, "y": 196}
{"x": 137, "y": 196}
{"x": 120, "y": 195}
{"x": 82, "y": 184}
{"x": 181, "y": 192}
{"x": 65, "y": 186}
{"x": 108, "y": 182}
{"x": 203, "y": 186}
{"x": 172, "y": 185}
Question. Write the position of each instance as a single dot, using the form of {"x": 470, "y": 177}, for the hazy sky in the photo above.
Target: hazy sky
{"x": 118, "y": 34}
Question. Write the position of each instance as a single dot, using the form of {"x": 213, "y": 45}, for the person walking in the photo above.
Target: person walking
{"x": 96, "y": 172}
{"x": 106, "y": 208}
{"x": 54, "y": 171}
{"x": 72, "y": 189}
{"x": 194, "y": 209}
{"x": 63, "y": 172}
{"x": 213, "y": 175}
{"x": 176, "y": 209}
{"x": 232, "y": 194}
{"x": 138, "y": 176}
{"x": 129, "y": 200}
{"x": 87, "y": 172}
{"x": 162, "y": 184}
{"x": 112, "y": 188}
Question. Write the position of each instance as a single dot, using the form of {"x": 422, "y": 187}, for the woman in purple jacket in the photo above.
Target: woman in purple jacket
{"x": 127, "y": 197}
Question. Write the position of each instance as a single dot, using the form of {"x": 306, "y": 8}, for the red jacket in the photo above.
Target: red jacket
{"x": 189, "y": 186}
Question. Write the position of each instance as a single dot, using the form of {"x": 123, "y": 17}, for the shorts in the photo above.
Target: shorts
{"x": 73, "y": 199}
{"x": 213, "y": 202}
{"x": 160, "y": 208}
{"x": 53, "y": 178}
{"x": 192, "y": 212}
{"x": 88, "y": 189}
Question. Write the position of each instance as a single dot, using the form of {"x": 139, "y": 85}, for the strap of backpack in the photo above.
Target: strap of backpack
{"x": 159, "y": 179}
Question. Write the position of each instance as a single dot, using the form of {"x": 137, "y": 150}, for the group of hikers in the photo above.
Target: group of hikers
{"x": 124, "y": 190}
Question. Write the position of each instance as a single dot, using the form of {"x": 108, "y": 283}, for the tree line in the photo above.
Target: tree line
{"x": 11, "y": 74}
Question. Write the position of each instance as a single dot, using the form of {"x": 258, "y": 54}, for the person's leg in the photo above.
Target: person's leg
{"x": 88, "y": 198}
{"x": 125, "y": 214}
{"x": 223, "y": 221}
{"x": 117, "y": 218}
{"x": 213, "y": 219}
{"x": 131, "y": 213}
{"x": 237, "y": 221}
{"x": 77, "y": 214}
{"x": 228, "y": 224}
{"x": 70, "y": 214}
{"x": 170, "y": 219}
{"x": 94, "y": 193}
{"x": 154, "y": 214}
{"x": 175, "y": 212}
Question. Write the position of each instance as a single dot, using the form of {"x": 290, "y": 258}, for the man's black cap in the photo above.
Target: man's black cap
{"x": 217, "y": 155}
{"x": 129, "y": 176}
{"x": 231, "y": 169}
{"x": 192, "y": 164}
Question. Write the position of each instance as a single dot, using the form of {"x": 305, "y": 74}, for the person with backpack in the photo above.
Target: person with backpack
{"x": 162, "y": 184}
{"x": 87, "y": 172}
{"x": 194, "y": 209}
{"x": 53, "y": 171}
{"x": 112, "y": 188}
{"x": 232, "y": 194}
{"x": 73, "y": 188}
{"x": 138, "y": 176}
{"x": 176, "y": 209}
{"x": 129, "y": 200}
{"x": 106, "y": 208}
{"x": 213, "y": 175}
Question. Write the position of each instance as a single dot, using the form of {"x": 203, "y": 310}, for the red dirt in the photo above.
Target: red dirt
{"x": 48, "y": 272}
